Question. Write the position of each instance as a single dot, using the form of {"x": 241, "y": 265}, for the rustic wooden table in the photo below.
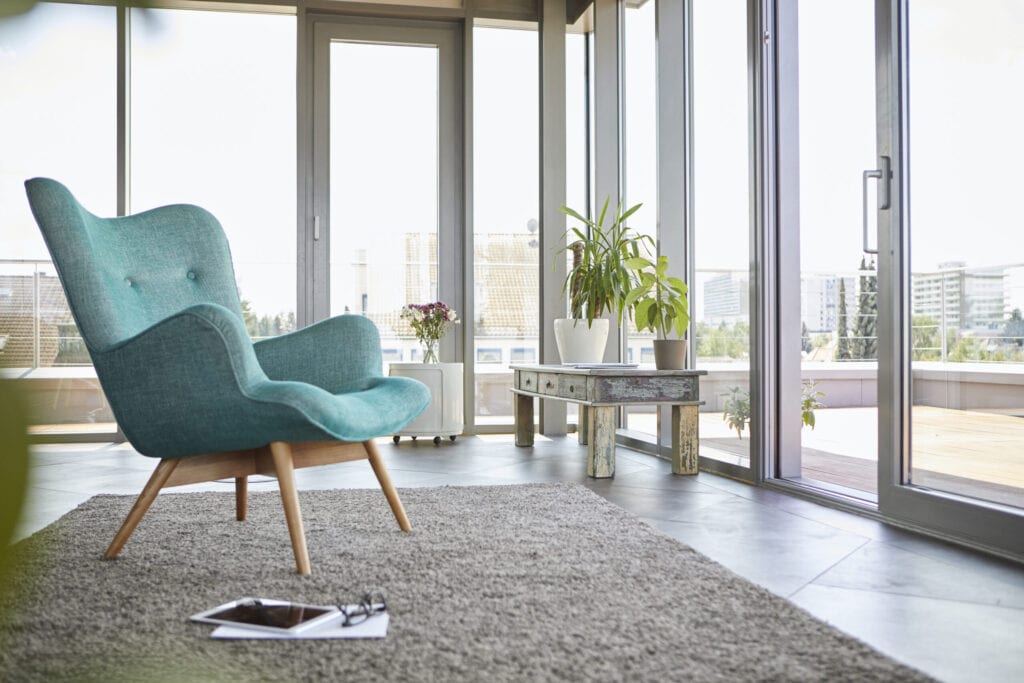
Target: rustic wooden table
{"x": 599, "y": 391}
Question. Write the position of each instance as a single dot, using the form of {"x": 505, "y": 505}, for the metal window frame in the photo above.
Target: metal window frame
{"x": 552, "y": 174}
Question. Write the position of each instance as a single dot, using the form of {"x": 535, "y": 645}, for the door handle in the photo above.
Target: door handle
{"x": 316, "y": 228}
{"x": 883, "y": 174}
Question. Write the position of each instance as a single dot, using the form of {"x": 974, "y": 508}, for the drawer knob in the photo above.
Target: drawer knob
{"x": 548, "y": 385}
{"x": 571, "y": 388}
{"x": 527, "y": 382}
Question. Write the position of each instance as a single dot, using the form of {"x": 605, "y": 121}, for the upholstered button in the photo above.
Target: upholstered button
{"x": 130, "y": 282}
{"x": 191, "y": 275}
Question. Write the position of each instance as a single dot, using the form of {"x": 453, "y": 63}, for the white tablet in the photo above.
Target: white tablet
{"x": 277, "y": 616}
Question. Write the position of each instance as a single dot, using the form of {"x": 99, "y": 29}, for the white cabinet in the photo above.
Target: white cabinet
{"x": 444, "y": 416}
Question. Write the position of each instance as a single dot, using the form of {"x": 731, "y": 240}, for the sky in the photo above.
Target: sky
{"x": 213, "y": 123}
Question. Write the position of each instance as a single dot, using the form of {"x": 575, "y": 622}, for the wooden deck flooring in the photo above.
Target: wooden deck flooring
{"x": 972, "y": 453}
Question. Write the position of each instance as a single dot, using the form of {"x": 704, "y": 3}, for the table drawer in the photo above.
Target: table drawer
{"x": 562, "y": 386}
{"x": 527, "y": 381}
{"x": 547, "y": 383}
{"x": 574, "y": 387}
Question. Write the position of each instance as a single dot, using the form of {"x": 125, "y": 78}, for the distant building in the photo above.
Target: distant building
{"x": 819, "y": 302}
{"x": 727, "y": 299}
{"x": 961, "y": 298}
{"x": 35, "y": 322}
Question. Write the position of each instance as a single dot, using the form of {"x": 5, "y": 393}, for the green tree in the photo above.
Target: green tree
{"x": 865, "y": 329}
{"x": 821, "y": 340}
{"x": 925, "y": 335}
{"x": 966, "y": 349}
{"x": 843, "y": 333}
{"x": 724, "y": 341}
{"x": 805, "y": 338}
{"x": 251, "y": 321}
{"x": 1013, "y": 329}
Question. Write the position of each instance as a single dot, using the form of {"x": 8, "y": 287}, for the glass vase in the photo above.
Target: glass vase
{"x": 430, "y": 351}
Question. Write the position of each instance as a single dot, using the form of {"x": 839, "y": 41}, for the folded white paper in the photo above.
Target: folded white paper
{"x": 374, "y": 627}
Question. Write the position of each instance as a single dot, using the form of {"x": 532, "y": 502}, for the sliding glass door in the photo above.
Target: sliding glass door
{"x": 958, "y": 370}
{"x": 387, "y": 175}
{"x": 908, "y": 391}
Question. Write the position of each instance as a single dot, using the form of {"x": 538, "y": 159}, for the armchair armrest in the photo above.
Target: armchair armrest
{"x": 181, "y": 380}
{"x": 338, "y": 354}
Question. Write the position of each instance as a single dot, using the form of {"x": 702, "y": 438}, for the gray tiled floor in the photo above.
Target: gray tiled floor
{"x": 956, "y": 614}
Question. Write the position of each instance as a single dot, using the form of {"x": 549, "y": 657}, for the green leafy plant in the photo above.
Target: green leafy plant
{"x": 736, "y": 411}
{"x": 599, "y": 279}
{"x": 809, "y": 402}
{"x": 659, "y": 300}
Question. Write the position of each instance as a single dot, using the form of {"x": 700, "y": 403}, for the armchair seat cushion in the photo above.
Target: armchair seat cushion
{"x": 348, "y": 416}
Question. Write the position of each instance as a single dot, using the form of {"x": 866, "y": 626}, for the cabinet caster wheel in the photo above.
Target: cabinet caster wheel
{"x": 452, "y": 437}
{"x": 396, "y": 438}
{"x": 437, "y": 440}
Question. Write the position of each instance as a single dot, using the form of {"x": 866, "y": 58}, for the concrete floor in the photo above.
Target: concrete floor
{"x": 953, "y": 613}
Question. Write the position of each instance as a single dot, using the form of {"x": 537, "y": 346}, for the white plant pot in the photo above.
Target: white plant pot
{"x": 579, "y": 343}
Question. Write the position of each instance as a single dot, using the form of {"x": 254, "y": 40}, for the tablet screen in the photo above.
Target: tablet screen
{"x": 273, "y": 616}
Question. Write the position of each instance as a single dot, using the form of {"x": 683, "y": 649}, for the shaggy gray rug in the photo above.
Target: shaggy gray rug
{"x": 497, "y": 583}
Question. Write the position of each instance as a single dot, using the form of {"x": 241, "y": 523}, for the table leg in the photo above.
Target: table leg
{"x": 524, "y": 420}
{"x": 583, "y": 425}
{"x": 685, "y": 439}
{"x": 601, "y": 438}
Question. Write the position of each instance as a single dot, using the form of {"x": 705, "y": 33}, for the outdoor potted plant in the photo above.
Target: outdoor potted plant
{"x": 444, "y": 416}
{"x": 598, "y": 282}
{"x": 660, "y": 304}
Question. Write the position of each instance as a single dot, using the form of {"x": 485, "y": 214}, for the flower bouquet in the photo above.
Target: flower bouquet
{"x": 430, "y": 322}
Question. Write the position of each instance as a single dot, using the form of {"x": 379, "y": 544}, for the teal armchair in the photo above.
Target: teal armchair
{"x": 155, "y": 299}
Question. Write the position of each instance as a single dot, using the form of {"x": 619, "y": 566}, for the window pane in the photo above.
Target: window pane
{"x": 384, "y": 245}
{"x": 838, "y": 282}
{"x": 720, "y": 295}
{"x": 967, "y": 249}
{"x": 576, "y": 121}
{"x": 505, "y": 206}
{"x": 57, "y": 119}
{"x": 213, "y": 124}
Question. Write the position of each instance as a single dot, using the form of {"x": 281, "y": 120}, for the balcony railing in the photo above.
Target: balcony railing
{"x": 39, "y": 341}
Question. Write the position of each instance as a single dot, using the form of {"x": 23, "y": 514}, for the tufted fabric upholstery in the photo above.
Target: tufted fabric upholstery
{"x": 154, "y": 296}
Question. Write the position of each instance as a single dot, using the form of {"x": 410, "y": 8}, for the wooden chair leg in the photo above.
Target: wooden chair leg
{"x": 241, "y": 497}
{"x": 385, "y": 483}
{"x": 281, "y": 453}
{"x": 156, "y": 482}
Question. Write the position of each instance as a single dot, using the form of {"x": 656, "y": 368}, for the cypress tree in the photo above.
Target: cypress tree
{"x": 843, "y": 347}
{"x": 871, "y": 340}
{"x": 865, "y": 342}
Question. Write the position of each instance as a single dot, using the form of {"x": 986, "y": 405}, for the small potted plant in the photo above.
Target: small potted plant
{"x": 598, "y": 281}
{"x": 660, "y": 304}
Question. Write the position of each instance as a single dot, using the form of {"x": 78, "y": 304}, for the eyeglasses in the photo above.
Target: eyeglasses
{"x": 371, "y": 604}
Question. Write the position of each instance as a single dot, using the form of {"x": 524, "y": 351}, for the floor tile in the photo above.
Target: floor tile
{"x": 911, "y": 573}
{"x": 772, "y": 548}
{"x": 953, "y": 641}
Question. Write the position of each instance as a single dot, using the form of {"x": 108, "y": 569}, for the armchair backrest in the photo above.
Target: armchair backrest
{"x": 122, "y": 275}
